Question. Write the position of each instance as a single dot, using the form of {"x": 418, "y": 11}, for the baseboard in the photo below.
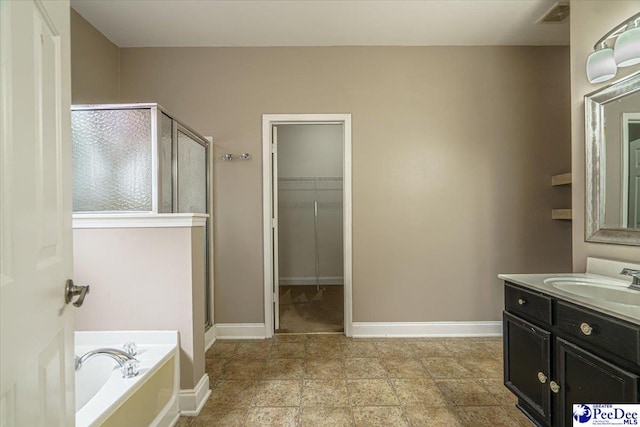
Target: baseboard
{"x": 311, "y": 280}
{"x": 192, "y": 400}
{"x": 209, "y": 338}
{"x": 240, "y": 331}
{"x": 426, "y": 329}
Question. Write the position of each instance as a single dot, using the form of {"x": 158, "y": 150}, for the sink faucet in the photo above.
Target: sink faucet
{"x": 635, "y": 284}
{"x": 128, "y": 364}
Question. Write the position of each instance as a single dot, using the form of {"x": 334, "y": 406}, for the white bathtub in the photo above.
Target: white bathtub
{"x": 104, "y": 398}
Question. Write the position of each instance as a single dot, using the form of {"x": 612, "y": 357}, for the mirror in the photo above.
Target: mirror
{"x": 612, "y": 137}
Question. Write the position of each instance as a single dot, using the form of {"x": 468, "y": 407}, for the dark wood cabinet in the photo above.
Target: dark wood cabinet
{"x": 586, "y": 378}
{"x": 527, "y": 364}
{"x": 557, "y": 354}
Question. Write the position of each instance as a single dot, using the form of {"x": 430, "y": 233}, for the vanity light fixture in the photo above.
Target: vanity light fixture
{"x": 603, "y": 63}
{"x": 628, "y": 45}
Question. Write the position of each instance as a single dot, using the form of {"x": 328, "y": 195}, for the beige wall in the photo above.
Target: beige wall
{"x": 453, "y": 149}
{"x": 145, "y": 279}
{"x": 590, "y": 20}
{"x": 95, "y": 64}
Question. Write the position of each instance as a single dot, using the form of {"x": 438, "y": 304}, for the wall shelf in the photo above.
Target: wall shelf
{"x": 561, "y": 179}
{"x": 556, "y": 180}
{"x": 561, "y": 214}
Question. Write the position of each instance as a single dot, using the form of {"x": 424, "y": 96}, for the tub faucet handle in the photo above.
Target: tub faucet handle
{"x": 131, "y": 348}
{"x": 130, "y": 368}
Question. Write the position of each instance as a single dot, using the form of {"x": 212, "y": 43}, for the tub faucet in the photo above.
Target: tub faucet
{"x": 635, "y": 284}
{"x": 128, "y": 364}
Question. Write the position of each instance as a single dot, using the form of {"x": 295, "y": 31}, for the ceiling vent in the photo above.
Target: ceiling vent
{"x": 558, "y": 14}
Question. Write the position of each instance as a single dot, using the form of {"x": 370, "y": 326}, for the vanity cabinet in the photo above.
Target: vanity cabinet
{"x": 557, "y": 354}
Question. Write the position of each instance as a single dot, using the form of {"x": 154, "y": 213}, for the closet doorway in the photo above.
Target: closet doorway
{"x": 307, "y": 208}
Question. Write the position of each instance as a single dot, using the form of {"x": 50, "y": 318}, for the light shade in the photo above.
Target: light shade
{"x": 627, "y": 51}
{"x": 601, "y": 65}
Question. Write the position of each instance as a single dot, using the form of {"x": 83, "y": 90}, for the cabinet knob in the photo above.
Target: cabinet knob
{"x": 542, "y": 377}
{"x": 554, "y": 386}
{"x": 586, "y": 328}
{"x": 521, "y": 301}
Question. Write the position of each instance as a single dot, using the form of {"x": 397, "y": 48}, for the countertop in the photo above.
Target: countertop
{"x": 630, "y": 313}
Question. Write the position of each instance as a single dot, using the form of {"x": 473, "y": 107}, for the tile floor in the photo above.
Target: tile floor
{"x": 331, "y": 380}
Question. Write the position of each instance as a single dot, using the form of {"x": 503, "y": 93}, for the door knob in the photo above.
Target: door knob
{"x": 71, "y": 290}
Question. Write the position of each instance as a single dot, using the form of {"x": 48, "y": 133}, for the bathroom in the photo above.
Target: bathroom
{"x": 424, "y": 257}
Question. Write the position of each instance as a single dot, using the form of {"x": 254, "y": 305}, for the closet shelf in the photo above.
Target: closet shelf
{"x": 561, "y": 179}
{"x": 561, "y": 214}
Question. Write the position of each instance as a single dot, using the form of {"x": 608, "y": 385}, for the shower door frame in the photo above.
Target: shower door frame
{"x": 270, "y": 217}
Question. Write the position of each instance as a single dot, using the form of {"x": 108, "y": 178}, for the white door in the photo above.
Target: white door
{"x": 36, "y": 327}
{"x": 274, "y": 227}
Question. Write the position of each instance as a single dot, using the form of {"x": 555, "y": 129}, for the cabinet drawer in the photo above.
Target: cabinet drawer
{"x": 601, "y": 331}
{"x": 528, "y": 304}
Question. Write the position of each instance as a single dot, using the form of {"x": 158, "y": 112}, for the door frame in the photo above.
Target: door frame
{"x": 268, "y": 120}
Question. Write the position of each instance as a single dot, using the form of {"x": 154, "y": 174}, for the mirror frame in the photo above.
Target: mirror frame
{"x": 594, "y": 156}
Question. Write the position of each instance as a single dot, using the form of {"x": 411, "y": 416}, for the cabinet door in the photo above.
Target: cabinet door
{"x": 585, "y": 378}
{"x": 527, "y": 364}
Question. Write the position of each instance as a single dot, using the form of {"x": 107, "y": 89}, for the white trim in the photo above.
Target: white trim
{"x": 240, "y": 331}
{"x": 138, "y": 220}
{"x": 169, "y": 415}
{"x": 209, "y": 338}
{"x": 268, "y": 120}
{"x": 311, "y": 280}
{"x": 427, "y": 329}
{"x": 192, "y": 400}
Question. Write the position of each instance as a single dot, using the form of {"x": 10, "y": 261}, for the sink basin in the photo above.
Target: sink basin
{"x": 601, "y": 289}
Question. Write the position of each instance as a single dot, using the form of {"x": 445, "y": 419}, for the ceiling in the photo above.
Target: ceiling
{"x": 164, "y": 23}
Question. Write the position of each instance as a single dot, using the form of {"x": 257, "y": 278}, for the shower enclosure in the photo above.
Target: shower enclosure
{"x": 138, "y": 158}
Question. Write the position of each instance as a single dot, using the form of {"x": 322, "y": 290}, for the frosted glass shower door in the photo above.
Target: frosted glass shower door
{"x": 112, "y": 160}
{"x": 192, "y": 189}
{"x": 192, "y": 175}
